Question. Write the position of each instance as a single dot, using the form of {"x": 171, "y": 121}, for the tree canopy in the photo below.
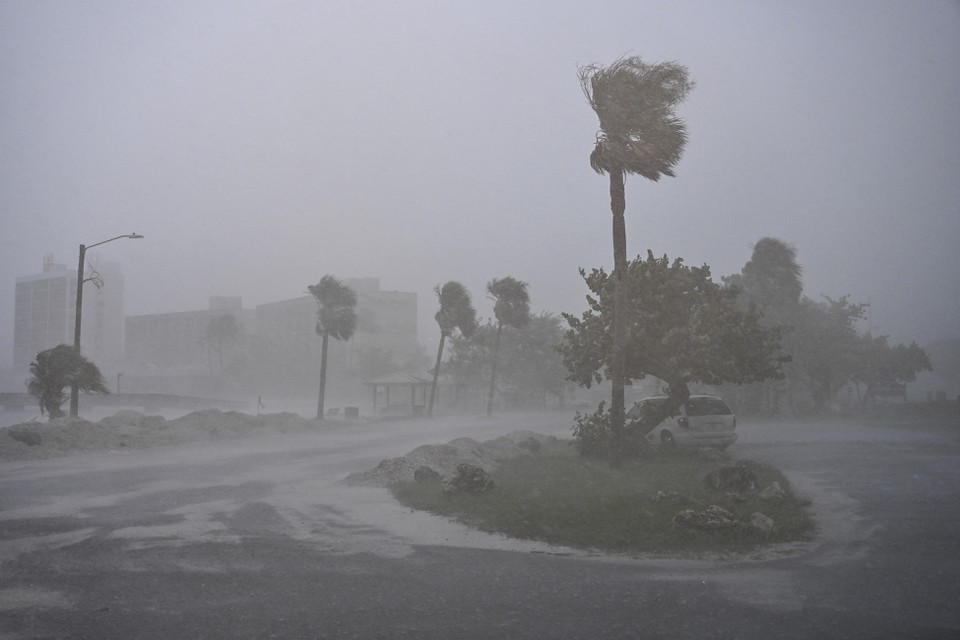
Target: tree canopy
{"x": 828, "y": 353}
{"x": 635, "y": 103}
{"x": 511, "y": 301}
{"x": 456, "y": 310}
{"x": 530, "y": 365}
{"x": 336, "y": 308}
{"x": 681, "y": 328}
{"x": 58, "y": 368}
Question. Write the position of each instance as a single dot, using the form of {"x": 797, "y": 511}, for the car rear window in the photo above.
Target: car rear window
{"x": 707, "y": 407}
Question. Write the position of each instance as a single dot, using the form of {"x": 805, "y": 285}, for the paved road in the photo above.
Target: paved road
{"x": 256, "y": 540}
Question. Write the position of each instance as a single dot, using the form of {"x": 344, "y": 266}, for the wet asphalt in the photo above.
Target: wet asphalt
{"x": 255, "y": 539}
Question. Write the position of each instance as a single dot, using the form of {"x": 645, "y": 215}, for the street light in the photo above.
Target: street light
{"x": 74, "y": 388}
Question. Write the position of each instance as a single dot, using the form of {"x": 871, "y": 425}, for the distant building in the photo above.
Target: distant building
{"x": 45, "y": 313}
{"x": 178, "y": 342}
{"x": 277, "y": 352}
{"x": 386, "y": 320}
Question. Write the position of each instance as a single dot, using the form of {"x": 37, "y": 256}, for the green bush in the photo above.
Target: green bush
{"x": 592, "y": 435}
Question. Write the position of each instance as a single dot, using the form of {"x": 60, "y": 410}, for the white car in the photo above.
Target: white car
{"x": 704, "y": 421}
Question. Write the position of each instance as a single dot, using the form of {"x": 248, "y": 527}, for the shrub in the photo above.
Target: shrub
{"x": 592, "y": 434}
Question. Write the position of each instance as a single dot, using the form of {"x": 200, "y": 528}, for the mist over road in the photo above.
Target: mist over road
{"x": 255, "y": 538}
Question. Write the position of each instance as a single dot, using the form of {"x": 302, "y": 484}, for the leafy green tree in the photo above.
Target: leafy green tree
{"x": 639, "y": 134}
{"x": 681, "y": 328}
{"x": 529, "y": 362}
{"x": 771, "y": 281}
{"x": 337, "y": 317}
{"x": 511, "y": 308}
{"x": 456, "y": 313}
{"x": 57, "y": 369}
{"x": 825, "y": 347}
{"x": 882, "y": 363}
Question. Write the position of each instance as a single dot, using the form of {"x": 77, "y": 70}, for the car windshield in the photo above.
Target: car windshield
{"x": 707, "y": 407}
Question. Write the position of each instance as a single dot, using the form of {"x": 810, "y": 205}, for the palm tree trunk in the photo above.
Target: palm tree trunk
{"x": 436, "y": 374}
{"x": 323, "y": 375}
{"x": 617, "y": 364}
{"x": 493, "y": 371}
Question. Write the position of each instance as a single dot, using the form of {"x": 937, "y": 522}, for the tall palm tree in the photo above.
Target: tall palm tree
{"x": 456, "y": 312}
{"x": 337, "y": 317}
{"x": 639, "y": 134}
{"x": 511, "y": 308}
{"x": 58, "y": 368}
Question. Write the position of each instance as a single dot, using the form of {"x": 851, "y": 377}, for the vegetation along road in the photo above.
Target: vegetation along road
{"x": 255, "y": 538}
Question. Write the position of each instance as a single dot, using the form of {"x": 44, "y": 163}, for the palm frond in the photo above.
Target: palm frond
{"x": 336, "y": 302}
{"x": 635, "y": 102}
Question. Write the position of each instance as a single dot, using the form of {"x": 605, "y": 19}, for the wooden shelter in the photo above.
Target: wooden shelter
{"x": 400, "y": 393}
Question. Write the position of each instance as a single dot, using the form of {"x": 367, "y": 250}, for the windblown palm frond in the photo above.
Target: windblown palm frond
{"x": 336, "y": 313}
{"x": 456, "y": 310}
{"x": 635, "y": 102}
{"x": 512, "y": 302}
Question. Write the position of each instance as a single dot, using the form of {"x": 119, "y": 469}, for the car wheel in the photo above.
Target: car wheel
{"x": 667, "y": 441}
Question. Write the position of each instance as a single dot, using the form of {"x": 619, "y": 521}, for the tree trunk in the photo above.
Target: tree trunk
{"x": 323, "y": 375}
{"x": 436, "y": 374}
{"x": 493, "y": 371}
{"x": 617, "y": 364}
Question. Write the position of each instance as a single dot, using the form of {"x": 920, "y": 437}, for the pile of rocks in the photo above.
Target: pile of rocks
{"x": 134, "y": 430}
{"x": 737, "y": 483}
{"x": 445, "y": 459}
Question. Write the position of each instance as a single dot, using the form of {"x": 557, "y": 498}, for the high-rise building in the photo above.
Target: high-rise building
{"x": 45, "y": 313}
{"x": 181, "y": 341}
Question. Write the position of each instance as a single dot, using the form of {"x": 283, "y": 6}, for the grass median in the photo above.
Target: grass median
{"x": 561, "y": 498}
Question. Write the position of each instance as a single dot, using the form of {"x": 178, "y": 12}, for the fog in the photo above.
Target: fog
{"x": 258, "y": 146}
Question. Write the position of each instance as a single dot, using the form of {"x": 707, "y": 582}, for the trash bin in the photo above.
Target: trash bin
{"x": 351, "y": 413}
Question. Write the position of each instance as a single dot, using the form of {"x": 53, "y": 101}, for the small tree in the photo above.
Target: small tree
{"x": 57, "y": 369}
{"x": 337, "y": 317}
{"x": 881, "y": 363}
{"x": 681, "y": 328}
{"x": 456, "y": 312}
{"x": 511, "y": 308}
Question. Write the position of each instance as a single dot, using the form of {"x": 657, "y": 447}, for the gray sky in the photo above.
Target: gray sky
{"x": 261, "y": 145}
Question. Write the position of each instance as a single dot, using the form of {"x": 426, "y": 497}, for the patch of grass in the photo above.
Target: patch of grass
{"x": 563, "y": 499}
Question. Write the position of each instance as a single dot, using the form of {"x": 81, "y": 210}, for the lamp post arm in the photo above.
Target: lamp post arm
{"x": 126, "y": 235}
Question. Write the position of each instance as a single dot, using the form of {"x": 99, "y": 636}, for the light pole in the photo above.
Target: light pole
{"x": 74, "y": 388}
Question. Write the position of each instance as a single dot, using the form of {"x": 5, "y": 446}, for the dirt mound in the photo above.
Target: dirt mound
{"x": 444, "y": 458}
{"x": 131, "y": 429}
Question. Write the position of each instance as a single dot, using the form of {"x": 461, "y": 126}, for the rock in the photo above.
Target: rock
{"x": 425, "y": 475}
{"x": 773, "y": 491}
{"x": 469, "y": 479}
{"x": 736, "y": 479}
{"x": 761, "y": 523}
{"x": 712, "y": 519}
{"x": 26, "y": 436}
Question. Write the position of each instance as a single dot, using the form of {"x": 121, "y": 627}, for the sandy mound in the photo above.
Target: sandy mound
{"x": 130, "y": 429}
{"x": 444, "y": 458}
